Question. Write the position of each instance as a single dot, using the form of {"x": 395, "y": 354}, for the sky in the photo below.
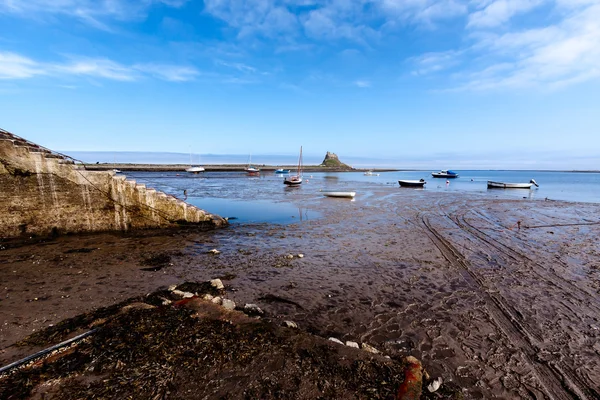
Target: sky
{"x": 433, "y": 83}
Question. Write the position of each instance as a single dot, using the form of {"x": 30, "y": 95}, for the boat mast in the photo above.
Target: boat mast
{"x": 300, "y": 163}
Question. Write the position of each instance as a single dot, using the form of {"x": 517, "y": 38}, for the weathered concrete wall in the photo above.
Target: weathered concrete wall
{"x": 42, "y": 192}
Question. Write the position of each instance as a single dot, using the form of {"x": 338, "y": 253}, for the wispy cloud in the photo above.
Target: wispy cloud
{"x": 362, "y": 84}
{"x": 14, "y": 66}
{"x": 95, "y": 13}
{"x": 497, "y": 56}
{"x": 498, "y": 12}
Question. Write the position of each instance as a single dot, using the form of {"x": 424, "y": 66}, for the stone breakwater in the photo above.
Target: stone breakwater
{"x": 43, "y": 192}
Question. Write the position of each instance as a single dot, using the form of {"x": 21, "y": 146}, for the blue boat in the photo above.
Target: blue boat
{"x": 282, "y": 171}
{"x": 444, "y": 174}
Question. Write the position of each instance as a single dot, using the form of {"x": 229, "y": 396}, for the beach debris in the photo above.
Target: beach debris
{"x": 253, "y": 309}
{"x": 300, "y": 255}
{"x": 410, "y": 389}
{"x": 228, "y": 304}
{"x": 369, "y": 348}
{"x": 435, "y": 385}
{"x": 136, "y": 306}
{"x": 179, "y": 293}
{"x": 214, "y": 251}
{"x": 290, "y": 324}
{"x": 352, "y": 344}
{"x": 188, "y": 295}
{"x": 217, "y": 284}
{"x": 172, "y": 287}
{"x": 165, "y": 302}
{"x": 338, "y": 341}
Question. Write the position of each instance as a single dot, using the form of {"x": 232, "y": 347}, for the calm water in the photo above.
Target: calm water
{"x": 266, "y": 199}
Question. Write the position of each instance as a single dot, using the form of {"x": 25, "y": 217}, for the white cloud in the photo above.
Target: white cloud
{"x": 171, "y": 73}
{"x": 550, "y": 57}
{"x": 362, "y": 84}
{"x": 91, "y": 12}
{"x": 14, "y": 66}
{"x": 435, "y": 62}
{"x": 499, "y": 12}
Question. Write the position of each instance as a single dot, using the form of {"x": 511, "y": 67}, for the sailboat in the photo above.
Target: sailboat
{"x": 192, "y": 169}
{"x": 250, "y": 168}
{"x": 295, "y": 179}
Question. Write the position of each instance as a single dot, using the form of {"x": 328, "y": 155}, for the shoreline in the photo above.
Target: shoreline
{"x": 227, "y": 168}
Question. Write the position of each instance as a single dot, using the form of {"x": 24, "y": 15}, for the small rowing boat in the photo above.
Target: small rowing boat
{"x": 332, "y": 193}
{"x": 504, "y": 185}
{"x": 412, "y": 183}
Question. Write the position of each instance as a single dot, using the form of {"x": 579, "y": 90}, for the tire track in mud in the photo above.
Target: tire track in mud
{"x": 556, "y": 381}
{"x": 584, "y": 304}
{"x": 557, "y": 282}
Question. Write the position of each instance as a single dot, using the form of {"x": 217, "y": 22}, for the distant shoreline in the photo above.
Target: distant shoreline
{"x": 271, "y": 168}
{"x": 226, "y": 168}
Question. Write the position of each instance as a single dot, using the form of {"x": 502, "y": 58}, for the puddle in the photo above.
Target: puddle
{"x": 254, "y": 211}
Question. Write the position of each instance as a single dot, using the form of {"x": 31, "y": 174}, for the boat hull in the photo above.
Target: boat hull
{"x": 347, "y": 195}
{"x": 195, "y": 170}
{"x": 282, "y": 171}
{"x": 448, "y": 176}
{"x": 504, "y": 185}
{"x": 409, "y": 183}
{"x": 293, "y": 181}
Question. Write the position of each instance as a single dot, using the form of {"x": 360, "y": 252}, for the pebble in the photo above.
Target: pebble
{"x": 254, "y": 308}
{"x": 300, "y": 255}
{"x": 216, "y": 300}
{"x": 178, "y": 293}
{"x": 290, "y": 324}
{"x": 435, "y": 385}
{"x": 172, "y": 287}
{"x": 352, "y": 344}
{"x": 217, "y": 284}
{"x": 228, "y": 304}
{"x": 289, "y": 256}
{"x": 369, "y": 348}
{"x": 336, "y": 340}
{"x": 188, "y": 295}
{"x": 208, "y": 297}
{"x": 214, "y": 251}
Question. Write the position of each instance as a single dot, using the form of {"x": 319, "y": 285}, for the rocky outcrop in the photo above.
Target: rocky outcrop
{"x": 44, "y": 192}
{"x": 332, "y": 160}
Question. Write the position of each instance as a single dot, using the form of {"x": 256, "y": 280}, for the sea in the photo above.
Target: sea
{"x": 264, "y": 198}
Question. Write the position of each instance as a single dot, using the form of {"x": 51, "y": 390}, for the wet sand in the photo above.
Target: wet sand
{"x": 449, "y": 278}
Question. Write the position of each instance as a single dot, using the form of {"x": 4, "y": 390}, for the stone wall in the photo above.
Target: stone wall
{"x": 42, "y": 192}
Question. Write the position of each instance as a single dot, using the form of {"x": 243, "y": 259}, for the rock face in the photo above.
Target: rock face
{"x": 44, "y": 192}
{"x": 332, "y": 160}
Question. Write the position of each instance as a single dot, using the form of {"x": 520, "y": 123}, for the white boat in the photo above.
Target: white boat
{"x": 333, "y": 193}
{"x": 370, "y": 173}
{"x": 192, "y": 169}
{"x": 444, "y": 174}
{"x": 117, "y": 171}
{"x": 295, "y": 179}
{"x": 505, "y": 185}
{"x": 412, "y": 183}
{"x": 251, "y": 169}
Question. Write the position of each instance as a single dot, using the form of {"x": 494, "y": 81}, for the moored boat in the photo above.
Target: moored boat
{"x": 252, "y": 169}
{"x": 370, "y": 173}
{"x": 444, "y": 174}
{"x": 412, "y": 183}
{"x": 334, "y": 193}
{"x": 295, "y": 179}
{"x": 282, "y": 171}
{"x": 505, "y": 185}
{"x": 194, "y": 170}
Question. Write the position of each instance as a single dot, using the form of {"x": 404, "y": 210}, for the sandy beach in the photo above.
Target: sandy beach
{"x": 499, "y": 297}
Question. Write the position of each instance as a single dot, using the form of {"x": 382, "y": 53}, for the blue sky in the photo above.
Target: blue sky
{"x": 509, "y": 83}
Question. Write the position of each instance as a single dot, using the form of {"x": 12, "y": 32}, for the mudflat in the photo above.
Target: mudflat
{"x": 499, "y": 297}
